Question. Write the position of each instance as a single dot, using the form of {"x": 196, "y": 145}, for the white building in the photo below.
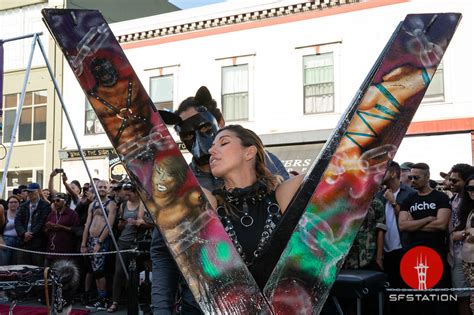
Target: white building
{"x": 253, "y": 56}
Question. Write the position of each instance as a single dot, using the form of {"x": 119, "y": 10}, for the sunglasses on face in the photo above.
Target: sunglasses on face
{"x": 413, "y": 177}
{"x": 453, "y": 180}
{"x": 470, "y": 188}
{"x": 127, "y": 187}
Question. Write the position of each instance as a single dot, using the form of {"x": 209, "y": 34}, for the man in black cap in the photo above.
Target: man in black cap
{"x": 29, "y": 223}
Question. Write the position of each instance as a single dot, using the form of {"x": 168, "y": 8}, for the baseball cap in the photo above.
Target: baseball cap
{"x": 443, "y": 175}
{"x": 32, "y": 187}
{"x": 406, "y": 166}
{"x": 60, "y": 195}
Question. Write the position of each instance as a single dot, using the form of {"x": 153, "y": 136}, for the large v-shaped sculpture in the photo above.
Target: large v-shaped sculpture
{"x": 338, "y": 188}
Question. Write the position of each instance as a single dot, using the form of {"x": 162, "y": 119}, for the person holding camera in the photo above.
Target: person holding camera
{"x": 73, "y": 188}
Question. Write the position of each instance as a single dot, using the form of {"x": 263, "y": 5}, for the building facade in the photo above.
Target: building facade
{"x": 288, "y": 69}
{"x": 38, "y": 136}
{"x": 38, "y": 144}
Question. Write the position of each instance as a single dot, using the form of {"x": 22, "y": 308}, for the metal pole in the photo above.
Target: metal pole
{"x": 20, "y": 37}
{"x": 18, "y": 114}
{"x": 68, "y": 118}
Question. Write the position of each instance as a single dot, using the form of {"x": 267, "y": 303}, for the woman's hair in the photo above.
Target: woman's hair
{"x": 249, "y": 138}
{"x": 13, "y": 197}
{"x": 467, "y": 205}
{"x": 76, "y": 182}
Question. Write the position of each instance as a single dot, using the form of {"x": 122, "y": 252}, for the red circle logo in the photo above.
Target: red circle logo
{"x": 421, "y": 268}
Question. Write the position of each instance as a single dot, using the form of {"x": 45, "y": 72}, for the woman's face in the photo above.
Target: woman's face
{"x": 13, "y": 204}
{"x": 76, "y": 189}
{"x": 163, "y": 182}
{"x": 46, "y": 193}
{"x": 227, "y": 153}
{"x": 470, "y": 188}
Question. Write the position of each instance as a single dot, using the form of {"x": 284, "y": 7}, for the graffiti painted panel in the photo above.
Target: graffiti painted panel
{"x": 353, "y": 163}
{"x": 216, "y": 275}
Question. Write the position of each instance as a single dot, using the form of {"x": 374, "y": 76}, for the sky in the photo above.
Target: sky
{"x": 186, "y": 4}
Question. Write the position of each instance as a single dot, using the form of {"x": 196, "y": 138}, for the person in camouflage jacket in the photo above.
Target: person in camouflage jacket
{"x": 367, "y": 250}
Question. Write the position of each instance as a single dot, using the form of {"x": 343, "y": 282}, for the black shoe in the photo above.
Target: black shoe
{"x": 99, "y": 305}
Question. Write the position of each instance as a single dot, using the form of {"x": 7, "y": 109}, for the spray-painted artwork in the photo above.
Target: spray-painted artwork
{"x": 217, "y": 277}
{"x": 339, "y": 187}
{"x": 352, "y": 164}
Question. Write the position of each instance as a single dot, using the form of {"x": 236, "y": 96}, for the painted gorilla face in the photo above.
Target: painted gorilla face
{"x": 197, "y": 134}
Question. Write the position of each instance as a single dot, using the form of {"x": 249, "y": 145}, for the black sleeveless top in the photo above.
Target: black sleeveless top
{"x": 255, "y": 215}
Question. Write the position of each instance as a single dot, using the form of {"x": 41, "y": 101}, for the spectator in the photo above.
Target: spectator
{"x": 95, "y": 239}
{"x": 73, "y": 189}
{"x": 21, "y": 193}
{"x": 405, "y": 172}
{"x": 392, "y": 196}
{"x": 46, "y": 194}
{"x": 86, "y": 199}
{"x": 9, "y": 233}
{"x": 131, "y": 224}
{"x": 3, "y": 212}
{"x": 366, "y": 252}
{"x": 367, "y": 249}
{"x": 59, "y": 229}
{"x": 464, "y": 231}
{"x": 457, "y": 180}
{"x": 445, "y": 184}
{"x": 425, "y": 216}
{"x": 29, "y": 223}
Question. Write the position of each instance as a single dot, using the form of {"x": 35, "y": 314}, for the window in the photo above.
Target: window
{"x": 235, "y": 92}
{"x": 32, "y": 125}
{"x": 16, "y": 178}
{"x": 161, "y": 91}
{"x": 92, "y": 125}
{"x": 435, "y": 92}
{"x": 318, "y": 81}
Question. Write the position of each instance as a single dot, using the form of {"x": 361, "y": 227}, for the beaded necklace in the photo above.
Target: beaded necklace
{"x": 237, "y": 201}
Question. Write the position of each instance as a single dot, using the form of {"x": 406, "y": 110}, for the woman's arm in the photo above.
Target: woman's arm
{"x": 286, "y": 191}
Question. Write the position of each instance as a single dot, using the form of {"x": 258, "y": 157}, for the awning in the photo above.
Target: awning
{"x": 297, "y": 157}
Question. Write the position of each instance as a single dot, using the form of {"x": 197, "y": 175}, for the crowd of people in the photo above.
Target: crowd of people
{"x": 62, "y": 225}
{"x": 250, "y": 189}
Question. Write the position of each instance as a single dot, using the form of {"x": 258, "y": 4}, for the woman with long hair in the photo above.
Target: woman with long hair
{"x": 465, "y": 231}
{"x": 251, "y": 200}
{"x": 10, "y": 236}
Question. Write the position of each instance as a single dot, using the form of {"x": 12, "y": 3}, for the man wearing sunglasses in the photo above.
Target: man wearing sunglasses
{"x": 59, "y": 229}
{"x": 457, "y": 178}
{"x": 425, "y": 217}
